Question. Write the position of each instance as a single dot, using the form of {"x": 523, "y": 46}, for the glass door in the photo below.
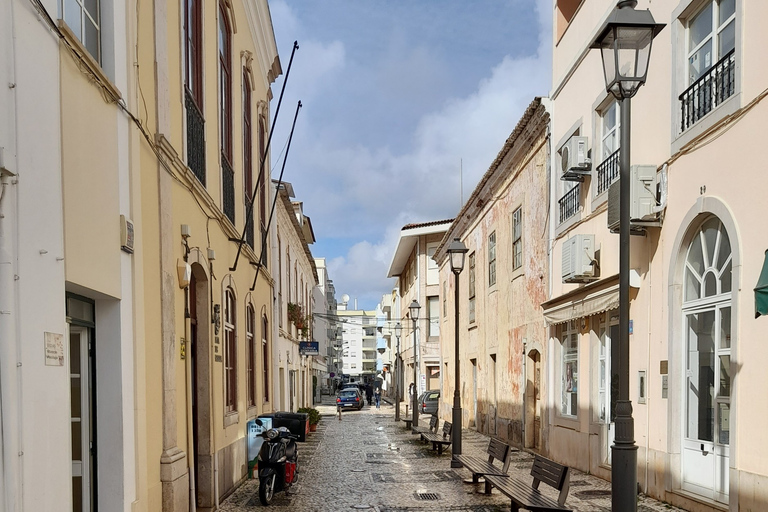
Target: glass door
{"x": 81, "y": 416}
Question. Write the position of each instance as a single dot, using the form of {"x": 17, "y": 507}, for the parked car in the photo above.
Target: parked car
{"x": 350, "y": 398}
{"x": 428, "y": 402}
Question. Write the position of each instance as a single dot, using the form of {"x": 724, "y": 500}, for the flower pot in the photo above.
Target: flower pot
{"x": 312, "y": 427}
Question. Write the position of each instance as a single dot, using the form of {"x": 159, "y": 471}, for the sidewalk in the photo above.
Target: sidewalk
{"x": 367, "y": 461}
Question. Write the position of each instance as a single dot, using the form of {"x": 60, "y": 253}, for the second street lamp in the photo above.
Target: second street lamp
{"x": 414, "y": 309}
{"x": 456, "y": 252}
{"x": 625, "y": 47}
{"x": 398, "y": 331}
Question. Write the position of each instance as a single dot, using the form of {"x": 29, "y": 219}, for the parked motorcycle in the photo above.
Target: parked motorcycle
{"x": 278, "y": 462}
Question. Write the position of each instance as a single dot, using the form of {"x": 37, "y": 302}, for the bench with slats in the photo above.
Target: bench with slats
{"x": 479, "y": 467}
{"x": 529, "y": 497}
{"x": 439, "y": 441}
{"x": 432, "y": 429}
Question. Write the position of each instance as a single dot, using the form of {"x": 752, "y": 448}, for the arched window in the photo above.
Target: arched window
{"x": 265, "y": 354}
{"x": 230, "y": 352}
{"x": 707, "y": 358}
{"x": 250, "y": 320}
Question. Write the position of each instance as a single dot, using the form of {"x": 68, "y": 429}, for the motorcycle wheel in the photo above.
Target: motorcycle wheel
{"x": 267, "y": 489}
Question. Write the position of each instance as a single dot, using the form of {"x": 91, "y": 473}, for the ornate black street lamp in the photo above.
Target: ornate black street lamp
{"x": 414, "y": 309}
{"x": 625, "y": 46}
{"x": 456, "y": 252}
{"x": 398, "y": 331}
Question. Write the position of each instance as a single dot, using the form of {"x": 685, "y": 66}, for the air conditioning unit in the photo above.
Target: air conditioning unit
{"x": 642, "y": 200}
{"x": 579, "y": 263}
{"x": 574, "y": 159}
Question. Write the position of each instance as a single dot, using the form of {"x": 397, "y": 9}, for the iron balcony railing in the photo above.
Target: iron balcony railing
{"x": 709, "y": 91}
{"x": 607, "y": 172}
{"x": 228, "y": 186}
{"x": 569, "y": 203}
{"x": 195, "y": 139}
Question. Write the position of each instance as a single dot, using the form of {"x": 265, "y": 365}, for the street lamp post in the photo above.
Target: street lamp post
{"x": 414, "y": 309}
{"x": 398, "y": 331}
{"x": 625, "y": 47}
{"x": 456, "y": 252}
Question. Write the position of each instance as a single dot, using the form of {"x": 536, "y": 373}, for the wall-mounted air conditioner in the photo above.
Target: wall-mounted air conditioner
{"x": 579, "y": 263}
{"x": 643, "y": 204}
{"x": 574, "y": 159}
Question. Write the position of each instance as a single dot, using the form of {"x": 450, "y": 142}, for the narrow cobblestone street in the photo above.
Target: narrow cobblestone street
{"x": 367, "y": 461}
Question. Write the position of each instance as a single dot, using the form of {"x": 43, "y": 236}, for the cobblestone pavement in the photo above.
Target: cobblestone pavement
{"x": 367, "y": 461}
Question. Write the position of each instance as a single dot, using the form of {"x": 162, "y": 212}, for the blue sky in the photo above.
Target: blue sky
{"x": 398, "y": 97}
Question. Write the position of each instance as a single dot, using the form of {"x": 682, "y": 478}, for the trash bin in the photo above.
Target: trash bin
{"x": 296, "y": 422}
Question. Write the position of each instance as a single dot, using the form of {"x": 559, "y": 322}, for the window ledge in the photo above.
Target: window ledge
{"x": 715, "y": 116}
{"x": 85, "y": 57}
{"x": 231, "y": 418}
{"x": 567, "y": 223}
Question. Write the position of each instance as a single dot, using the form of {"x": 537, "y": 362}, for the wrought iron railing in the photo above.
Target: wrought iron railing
{"x": 195, "y": 139}
{"x": 708, "y": 91}
{"x": 228, "y": 188}
{"x": 569, "y": 203}
{"x": 608, "y": 172}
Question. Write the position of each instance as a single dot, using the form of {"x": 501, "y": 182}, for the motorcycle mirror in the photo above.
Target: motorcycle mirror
{"x": 259, "y": 422}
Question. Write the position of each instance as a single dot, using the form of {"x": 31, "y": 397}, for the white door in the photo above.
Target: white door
{"x": 607, "y": 381}
{"x": 707, "y": 362}
{"x": 81, "y": 418}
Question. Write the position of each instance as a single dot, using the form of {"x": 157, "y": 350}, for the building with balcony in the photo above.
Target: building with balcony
{"x": 696, "y": 134}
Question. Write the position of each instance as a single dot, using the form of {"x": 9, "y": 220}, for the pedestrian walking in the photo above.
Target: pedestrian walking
{"x": 369, "y": 394}
{"x": 377, "y": 396}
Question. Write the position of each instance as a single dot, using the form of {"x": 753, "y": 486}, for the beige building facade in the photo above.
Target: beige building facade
{"x": 502, "y": 343}
{"x": 696, "y": 357}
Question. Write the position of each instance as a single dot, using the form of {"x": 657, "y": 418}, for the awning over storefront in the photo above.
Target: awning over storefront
{"x": 578, "y": 305}
{"x": 761, "y": 290}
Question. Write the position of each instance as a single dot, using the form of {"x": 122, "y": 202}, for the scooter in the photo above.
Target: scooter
{"x": 278, "y": 462}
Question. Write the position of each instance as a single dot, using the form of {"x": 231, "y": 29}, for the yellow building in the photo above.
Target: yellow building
{"x": 205, "y": 71}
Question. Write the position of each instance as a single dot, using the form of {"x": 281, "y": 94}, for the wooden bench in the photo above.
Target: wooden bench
{"x": 432, "y": 429}
{"x": 437, "y": 440}
{"x": 479, "y": 467}
{"x": 530, "y": 498}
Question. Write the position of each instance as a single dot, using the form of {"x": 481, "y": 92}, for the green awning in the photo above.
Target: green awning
{"x": 761, "y": 290}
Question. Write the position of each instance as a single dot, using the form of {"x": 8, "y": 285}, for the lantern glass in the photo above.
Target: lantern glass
{"x": 626, "y": 52}
{"x": 457, "y": 252}
{"x": 398, "y": 329}
{"x": 414, "y": 307}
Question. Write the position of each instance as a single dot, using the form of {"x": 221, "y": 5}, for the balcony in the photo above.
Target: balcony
{"x": 228, "y": 188}
{"x": 195, "y": 139}
{"x": 569, "y": 203}
{"x": 709, "y": 91}
{"x": 607, "y": 172}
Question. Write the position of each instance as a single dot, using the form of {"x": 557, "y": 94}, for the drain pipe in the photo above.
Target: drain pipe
{"x": 10, "y": 390}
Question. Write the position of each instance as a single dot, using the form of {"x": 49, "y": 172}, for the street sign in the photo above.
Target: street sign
{"x": 309, "y": 348}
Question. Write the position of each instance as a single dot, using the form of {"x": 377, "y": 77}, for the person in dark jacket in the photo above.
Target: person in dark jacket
{"x": 369, "y": 393}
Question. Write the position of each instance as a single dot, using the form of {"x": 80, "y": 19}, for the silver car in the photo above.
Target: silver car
{"x": 428, "y": 402}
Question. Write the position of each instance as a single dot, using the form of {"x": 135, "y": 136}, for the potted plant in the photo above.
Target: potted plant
{"x": 314, "y": 417}
{"x": 301, "y": 321}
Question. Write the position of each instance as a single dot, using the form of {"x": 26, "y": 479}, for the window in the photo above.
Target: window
{"x": 492, "y": 259}
{"x": 279, "y": 281}
{"x": 710, "y": 69}
{"x": 432, "y": 270}
{"x": 250, "y": 356}
{"x": 608, "y": 170}
{"x": 569, "y": 370}
{"x": 82, "y": 16}
{"x": 433, "y": 310}
{"x": 262, "y": 178}
{"x": 445, "y": 298}
{"x": 265, "y": 355}
{"x": 230, "y": 352}
{"x": 517, "y": 238}
{"x": 193, "y": 92}
{"x": 225, "y": 84}
{"x": 247, "y": 156}
{"x": 472, "y": 288}
{"x": 566, "y": 10}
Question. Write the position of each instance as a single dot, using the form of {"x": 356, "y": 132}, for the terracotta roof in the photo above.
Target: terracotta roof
{"x": 426, "y": 224}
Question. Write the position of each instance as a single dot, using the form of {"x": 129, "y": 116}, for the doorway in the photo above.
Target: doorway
{"x": 533, "y": 400}
{"x": 83, "y": 415}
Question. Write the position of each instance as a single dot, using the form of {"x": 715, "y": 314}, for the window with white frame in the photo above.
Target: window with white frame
{"x": 250, "y": 355}
{"x": 608, "y": 169}
{"x": 517, "y": 238}
{"x": 472, "y": 287}
{"x": 433, "y": 310}
{"x": 710, "y": 51}
{"x": 83, "y": 18}
{"x": 432, "y": 271}
{"x": 569, "y": 369}
{"x": 492, "y": 259}
{"x": 230, "y": 352}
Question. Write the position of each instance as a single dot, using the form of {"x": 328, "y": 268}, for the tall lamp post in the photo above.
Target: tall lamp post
{"x": 414, "y": 309}
{"x": 456, "y": 252}
{"x": 398, "y": 331}
{"x": 625, "y": 46}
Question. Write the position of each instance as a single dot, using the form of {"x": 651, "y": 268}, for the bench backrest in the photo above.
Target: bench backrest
{"x": 499, "y": 451}
{"x": 433, "y": 422}
{"x": 553, "y": 474}
{"x": 447, "y": 429}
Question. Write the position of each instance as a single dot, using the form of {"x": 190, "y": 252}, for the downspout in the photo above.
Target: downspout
{"x": 647, "y": 373}
{"x": 10, "y": 389}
